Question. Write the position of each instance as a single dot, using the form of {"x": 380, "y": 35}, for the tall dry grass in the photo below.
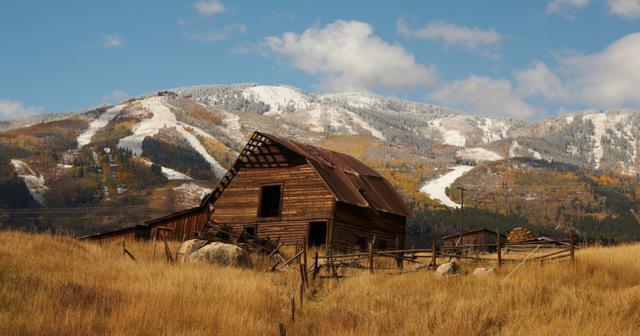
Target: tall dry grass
{"x": 59, "y": 286}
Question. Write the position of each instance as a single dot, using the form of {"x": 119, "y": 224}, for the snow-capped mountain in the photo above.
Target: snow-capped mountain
{"x": 170, "y": 146}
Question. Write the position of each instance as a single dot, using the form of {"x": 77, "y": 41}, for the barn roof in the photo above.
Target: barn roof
{"x": 350, "y": 180}
{"x": 173, "y": 215}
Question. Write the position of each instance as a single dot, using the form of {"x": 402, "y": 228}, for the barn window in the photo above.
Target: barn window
{"x": 270, "y": 201}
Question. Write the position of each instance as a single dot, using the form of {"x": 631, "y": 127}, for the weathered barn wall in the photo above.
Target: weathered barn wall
{"x": 183, "y": 225}
{"x": 355, "y": 226}
{"x": 478, "y": 237}
{"x": 304, "y": 198}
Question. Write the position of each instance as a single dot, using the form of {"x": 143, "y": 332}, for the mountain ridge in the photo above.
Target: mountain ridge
{"x": 191, "y": 135}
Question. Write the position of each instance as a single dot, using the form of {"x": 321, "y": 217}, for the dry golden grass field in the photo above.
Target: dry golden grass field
{"x": 59, "y": 286}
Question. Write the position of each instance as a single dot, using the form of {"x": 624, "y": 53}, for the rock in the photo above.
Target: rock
{"x": 221, "y": 254}
{"x": 189, "y": 247}
{"x": 448, "y": 269}
{"x": 482, "y": 271}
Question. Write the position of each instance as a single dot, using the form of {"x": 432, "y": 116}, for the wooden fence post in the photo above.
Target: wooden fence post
{"x": 301, "y": 295}
{"x": 571, "y": 247}
{"x": 304, "y": 260}
{"x": 293, "y": 307}
{"x": 315, "y": 266}
{"x": 400, "y": 257}
{"x": 371, "y": 257}
{"x": 167, "y": 251}
{"x": 499, "y": 248}
{"x": 433, "y": 255}
{"x": 155, "y": 238}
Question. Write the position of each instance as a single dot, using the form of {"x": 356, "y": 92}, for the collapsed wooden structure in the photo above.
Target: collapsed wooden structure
{"x": 297, "y": 192}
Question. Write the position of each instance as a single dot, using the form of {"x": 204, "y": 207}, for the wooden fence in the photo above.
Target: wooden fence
{"x": 416, "y": 259}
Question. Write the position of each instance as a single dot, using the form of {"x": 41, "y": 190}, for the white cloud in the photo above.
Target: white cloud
{"x": 224, "y": 33}
{"x": 116, "y": 96}
{"x": 10, "y": 109}
{"x": 346, "y": 55}
{"x": 607, "y": 78}
{"x": 540, "y": 81}
{"x": 484, "y": 96}
{"x": 565, "y": 7}
{"x": 112, "y": 41}
{"x": 452, "y": 35}
{"x": 629, "y": 9}
{"x": 182, "y": 22}
{"x": 209, "y": 7}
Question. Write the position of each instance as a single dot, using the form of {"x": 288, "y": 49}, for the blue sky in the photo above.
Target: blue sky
{"x": 518, "y": 59}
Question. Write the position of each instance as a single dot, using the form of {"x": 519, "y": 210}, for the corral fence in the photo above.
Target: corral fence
{"x": 535, "y": 250}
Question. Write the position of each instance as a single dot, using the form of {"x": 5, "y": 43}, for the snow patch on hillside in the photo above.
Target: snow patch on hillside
{"x": 190, "y": 194}
{"x": 450, "y": 137}
{"x": 233, "y": 129}
{"x": 478, "y": 154}
{"x": 279, "y": 98}
{"x": 363, "y": 100}
{"x": 35, "y": 183}
{"x": 337, "y": 122}
{"x": 493, "y": 130}
{"x": 314, "y": 121}
{"x": 168, "y": 172}
{"x": 365, "y": 125}
{"x": 601, "y": 123}
{"x": 96, "y": 125}
{"x": 436, "y": 188}
{"x": 163, "y": 117}
{"x": 516, "y": 150}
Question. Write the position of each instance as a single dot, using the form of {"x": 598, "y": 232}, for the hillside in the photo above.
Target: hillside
{"x": 147, "y": 156}
{"x": 77, "y": 288}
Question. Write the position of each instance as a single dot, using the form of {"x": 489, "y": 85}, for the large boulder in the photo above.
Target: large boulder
{"x": 217, "y": 253}
{"x": 448, "y": 270}
{"x": 189, "y": 247}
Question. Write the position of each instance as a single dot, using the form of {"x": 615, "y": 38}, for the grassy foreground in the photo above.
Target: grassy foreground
{"x": 59, "y": 286}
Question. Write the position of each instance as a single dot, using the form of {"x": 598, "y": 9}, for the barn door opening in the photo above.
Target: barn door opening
{"x": 317, "y": 233}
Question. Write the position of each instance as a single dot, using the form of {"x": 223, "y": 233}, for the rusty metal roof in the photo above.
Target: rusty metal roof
{"x": 350, "y": 180}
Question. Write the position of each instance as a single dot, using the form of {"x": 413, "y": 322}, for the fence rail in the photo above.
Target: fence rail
{"x": 427, "y": 257}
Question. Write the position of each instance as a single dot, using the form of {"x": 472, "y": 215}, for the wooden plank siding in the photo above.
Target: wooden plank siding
{"x": 305, "y": 198}
{"x": 354, "y": 224}
{"x": 478, "y": 237}
{"x": 183, "y": 226}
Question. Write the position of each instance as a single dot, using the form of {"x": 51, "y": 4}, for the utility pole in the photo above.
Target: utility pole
{"x": 462, "y": 189}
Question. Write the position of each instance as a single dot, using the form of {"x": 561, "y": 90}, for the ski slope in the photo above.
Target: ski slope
{"x": 436, "y": 188}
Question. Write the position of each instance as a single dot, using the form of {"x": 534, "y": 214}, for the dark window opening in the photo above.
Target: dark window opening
{"x": 270, "y": 197}
{"x": 249, "y": 232}
{"x": 317, "y": 233}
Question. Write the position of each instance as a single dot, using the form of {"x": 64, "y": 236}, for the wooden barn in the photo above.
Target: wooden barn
{"x": 280, "y": 188}
{"x": 475, "y": 237}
